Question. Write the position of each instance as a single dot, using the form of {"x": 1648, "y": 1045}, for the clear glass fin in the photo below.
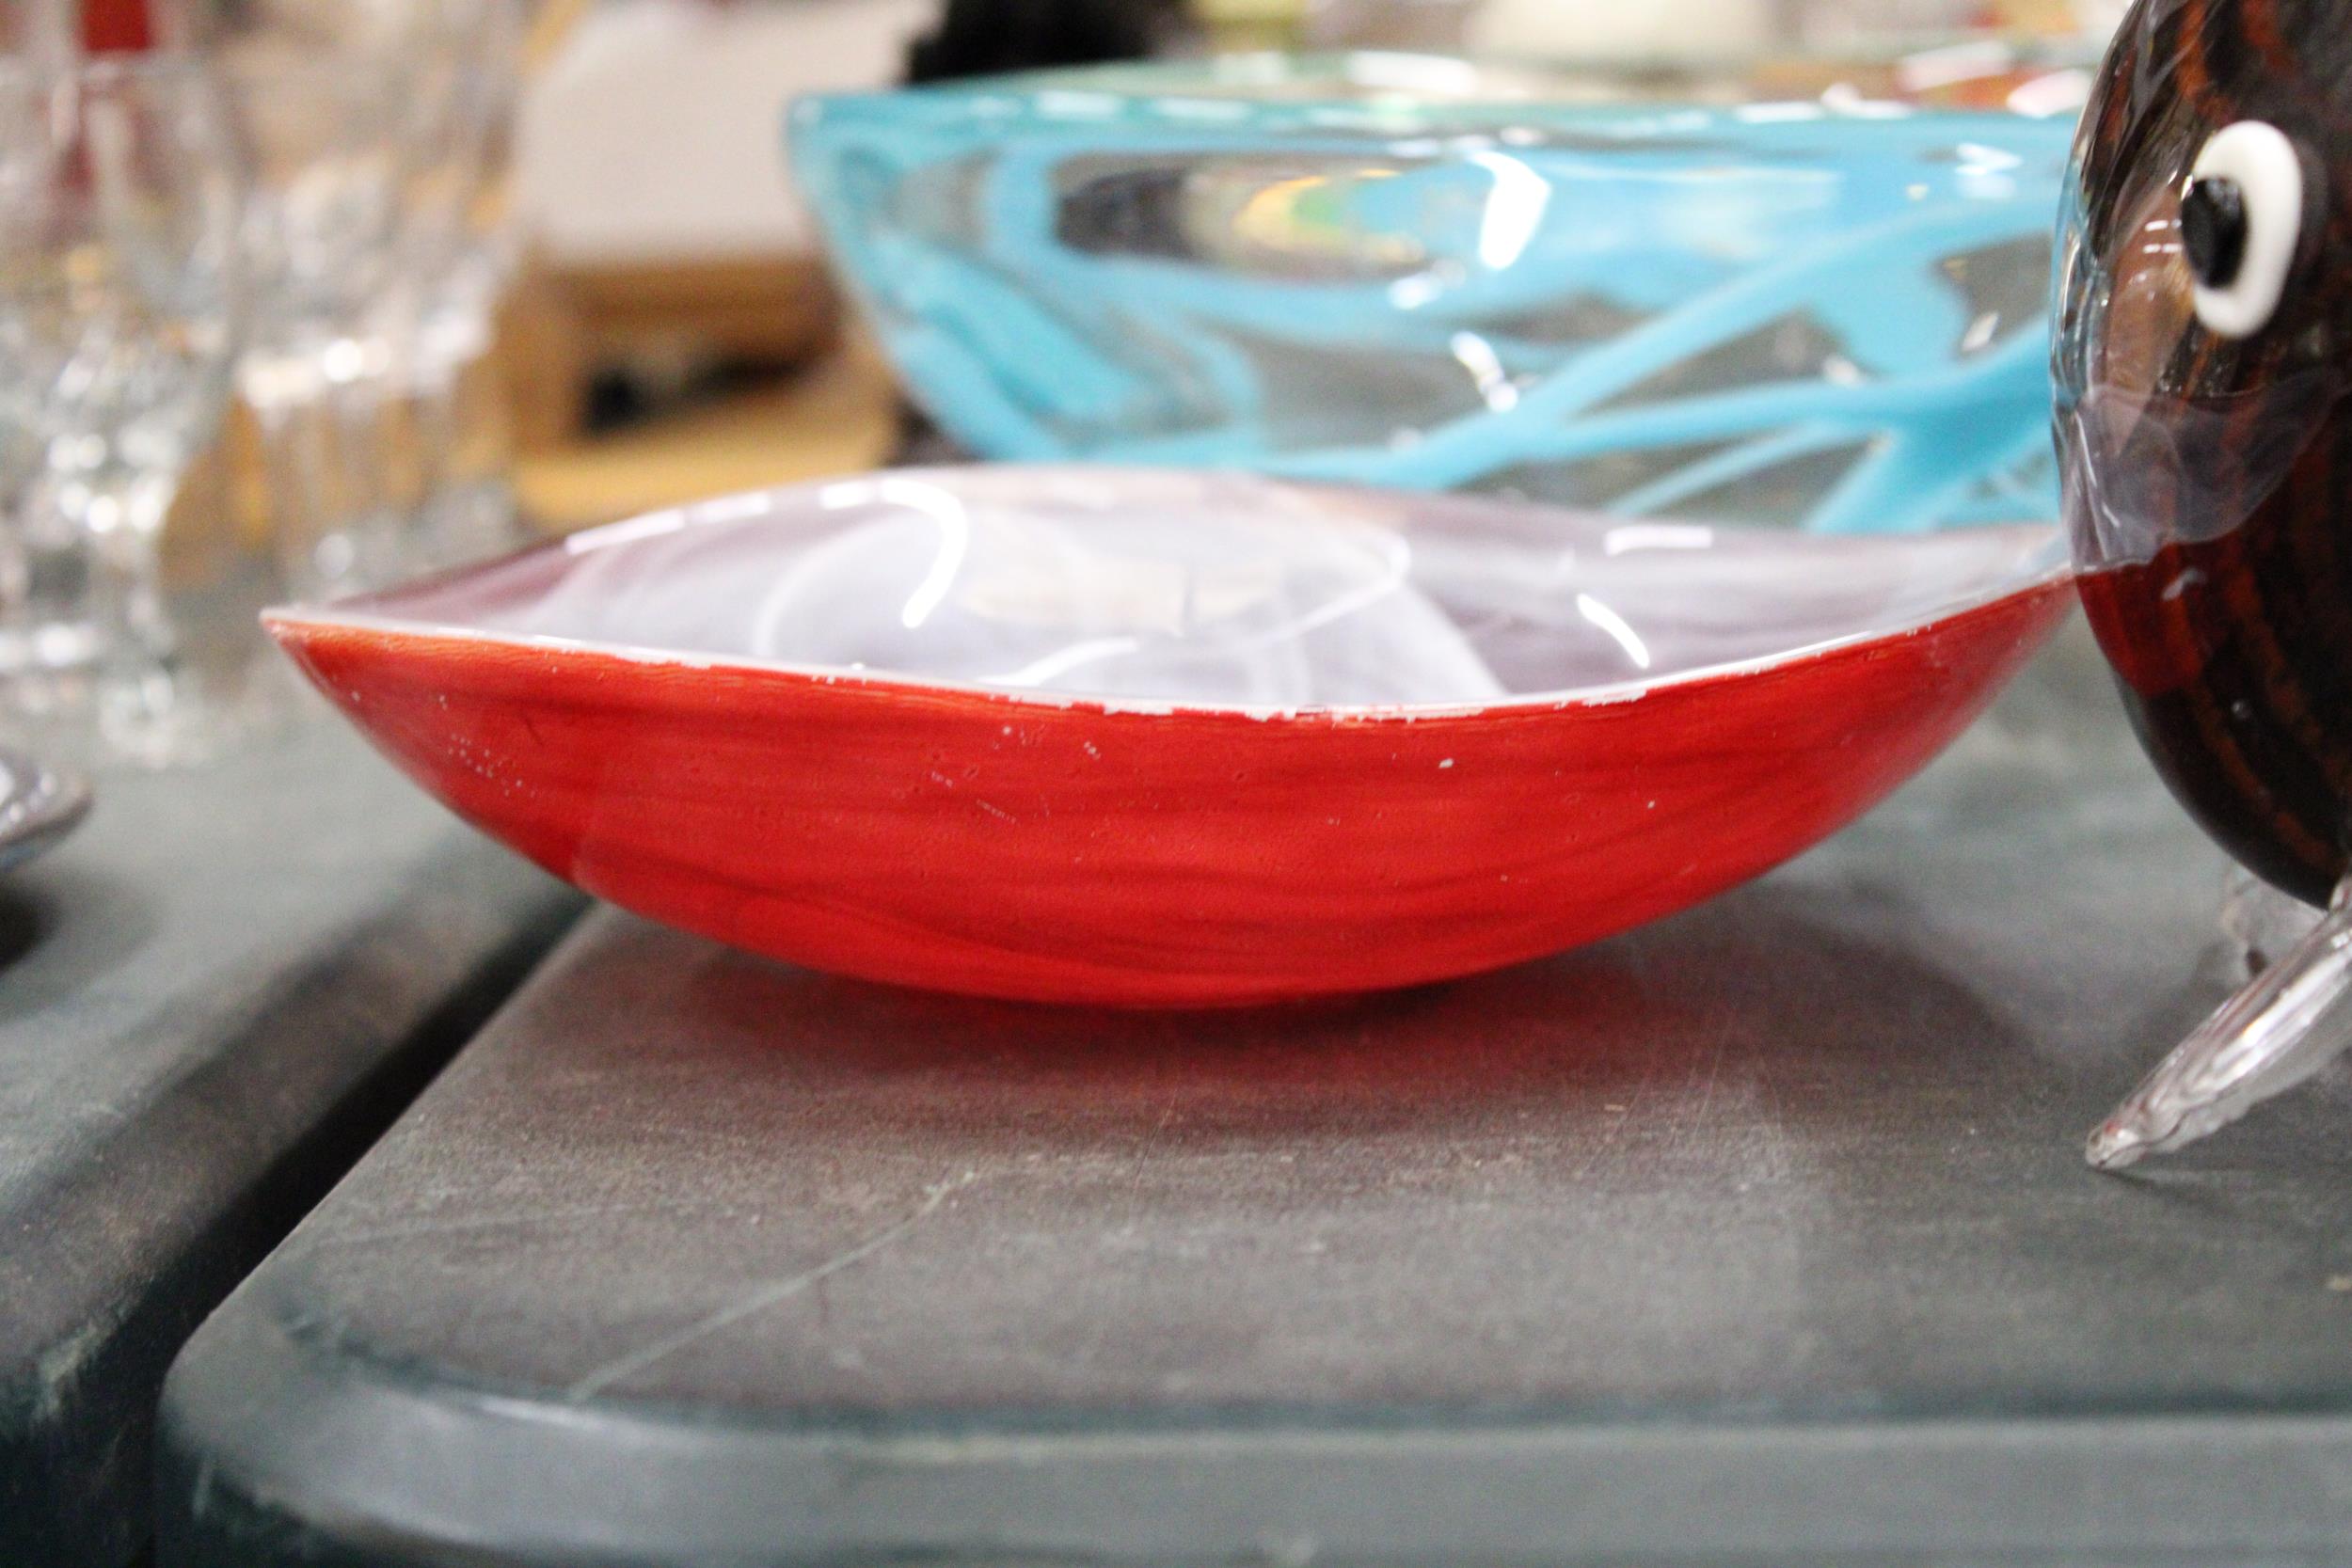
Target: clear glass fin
{"x": 2292, "y": 1020}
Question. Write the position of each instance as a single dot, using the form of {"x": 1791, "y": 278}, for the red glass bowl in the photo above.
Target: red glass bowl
{"x": 1145, "y": 738}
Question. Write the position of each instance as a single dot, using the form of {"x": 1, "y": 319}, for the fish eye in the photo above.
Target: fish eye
{"x": 2241, "y": 219}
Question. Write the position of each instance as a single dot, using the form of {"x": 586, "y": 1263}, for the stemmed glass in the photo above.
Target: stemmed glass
{"x": 377, "y": 128}
{"x": 380, "y": 131}
{"x": 327, "y": 135}
{"x": 457, "y": 256}
{"x": 120, "y": 194}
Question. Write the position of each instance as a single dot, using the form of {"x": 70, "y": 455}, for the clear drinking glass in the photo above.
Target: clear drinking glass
{"x": 327, "y": 135}
{"x": 19, "y": 458}
{"x": 120, "y": 194}
{"x": 458, "y": 254}
{"x": 38, "y": 29}
{"x": 377, "y": 127}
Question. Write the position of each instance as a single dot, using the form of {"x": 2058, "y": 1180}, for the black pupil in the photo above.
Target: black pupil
{"x": 2213, "y": 227}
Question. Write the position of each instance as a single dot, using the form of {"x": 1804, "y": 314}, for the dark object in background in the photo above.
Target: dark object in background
{"x": 980, "y": 38}
{"x": 923, "y": 444}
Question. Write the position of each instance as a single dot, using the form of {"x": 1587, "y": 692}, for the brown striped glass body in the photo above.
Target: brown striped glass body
{"x": 2209, "y": 472}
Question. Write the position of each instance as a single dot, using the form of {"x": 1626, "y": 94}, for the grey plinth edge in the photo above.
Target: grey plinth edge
{"x": 215, "y": 995}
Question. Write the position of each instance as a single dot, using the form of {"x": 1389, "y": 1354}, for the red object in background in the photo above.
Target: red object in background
{"x": 112, "y": 27}
{"x": 1063, "y": 850}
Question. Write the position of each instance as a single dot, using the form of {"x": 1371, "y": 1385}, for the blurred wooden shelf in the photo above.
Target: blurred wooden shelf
{"x": 829, "y": 407}
{"x": 563, "y": 323}
{"x": 838, "y": 416}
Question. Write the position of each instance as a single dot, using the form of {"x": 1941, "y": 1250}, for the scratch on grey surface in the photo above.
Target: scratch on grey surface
{"x": 425, "y": 1227}
{"x": 1693, "y": 1127}
{"x": 768, "y": 1295}
{"x": 1610, "y": 1141}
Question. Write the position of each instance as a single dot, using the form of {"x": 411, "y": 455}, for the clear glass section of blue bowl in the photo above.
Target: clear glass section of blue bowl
{"x": 1428, "y": 273}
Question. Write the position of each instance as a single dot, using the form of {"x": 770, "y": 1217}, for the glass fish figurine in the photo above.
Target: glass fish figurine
{"x": 2203, "y": 354}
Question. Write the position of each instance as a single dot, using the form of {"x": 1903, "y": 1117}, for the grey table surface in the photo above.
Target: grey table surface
{"x": 1760, "y": 1235}
{"x": 212, "y": 995}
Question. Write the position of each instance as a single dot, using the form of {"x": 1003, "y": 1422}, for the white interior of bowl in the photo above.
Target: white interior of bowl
{"x": 1203, "y": 590}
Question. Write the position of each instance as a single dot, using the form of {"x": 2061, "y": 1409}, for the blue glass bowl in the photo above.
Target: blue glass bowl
{"x": 1422, "y": 272}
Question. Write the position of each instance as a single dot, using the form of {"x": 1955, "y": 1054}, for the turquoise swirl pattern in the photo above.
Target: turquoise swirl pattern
{"x": 1825, "y": 315}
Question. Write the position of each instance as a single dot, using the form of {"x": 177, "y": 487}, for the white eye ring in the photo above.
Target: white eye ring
{"x": 2262, "y": 164}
